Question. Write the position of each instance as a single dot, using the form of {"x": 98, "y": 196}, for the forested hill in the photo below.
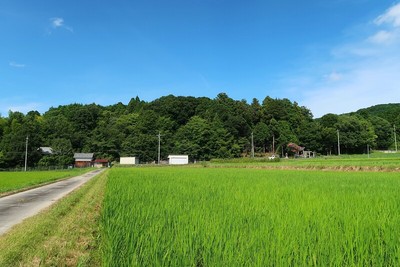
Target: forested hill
{"x": 389, "y": 112}
{"x": 201, "y": 127}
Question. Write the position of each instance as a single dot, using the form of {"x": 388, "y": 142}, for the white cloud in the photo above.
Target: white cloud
{"x": 391, "y": 16}
{"x": 366, "y": 85}
{"x": 16, "y": 65}
{"x": 59, "y": 23}
{"x": 382, "y": 37}
{"x": 368, "y": 71}
{"x": 22, "y": 107}
{"x": 334, "y": 76}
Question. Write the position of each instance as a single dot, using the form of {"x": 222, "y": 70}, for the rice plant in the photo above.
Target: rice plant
{"x": 250, "y": 217}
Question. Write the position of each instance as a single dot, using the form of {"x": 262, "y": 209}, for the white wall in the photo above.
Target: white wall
{"x": 178, "y": 159}
{"x": 129, "y": 160}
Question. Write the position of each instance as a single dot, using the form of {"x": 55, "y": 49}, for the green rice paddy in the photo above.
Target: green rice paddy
{"x": 12, "y": 181}
{"x": 179, "y": 216}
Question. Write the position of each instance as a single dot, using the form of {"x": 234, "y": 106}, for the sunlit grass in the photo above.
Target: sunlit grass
{"x": 374, "y": 161}
{"x": 65, "y": 234}
{"x": 247, "y": 217}
{"x": 12, "y": 181}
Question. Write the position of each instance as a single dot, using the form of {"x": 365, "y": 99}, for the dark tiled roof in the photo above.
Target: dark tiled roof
{"x": 83, "y": 156}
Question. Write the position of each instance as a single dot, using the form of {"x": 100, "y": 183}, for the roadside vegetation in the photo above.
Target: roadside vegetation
{"x": 11, "y": 182}
{"x": 249, "y": 217}
{"x": 66, "y": 234}
{"x": 376, "y": 161}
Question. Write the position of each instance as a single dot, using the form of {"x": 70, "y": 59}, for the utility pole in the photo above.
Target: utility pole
{"x": 338, "y": 142}
{"x": 159, "y": 146}
{"x": 252, "y": 145}
{"x": 273, "y": 144}
{"x": 26, "y": 152}
{"x": 395, "y": 139}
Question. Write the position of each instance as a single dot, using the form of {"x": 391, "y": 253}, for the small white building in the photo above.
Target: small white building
{"x": 178, "y": 159}
{"x": 129, "y": 160}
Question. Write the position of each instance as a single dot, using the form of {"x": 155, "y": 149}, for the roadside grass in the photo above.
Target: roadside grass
{"x": 182, "y": 216}
{"x": 376, "y": 161}
{"x": 66, "y": 234}
{"x": 11, "y": 182}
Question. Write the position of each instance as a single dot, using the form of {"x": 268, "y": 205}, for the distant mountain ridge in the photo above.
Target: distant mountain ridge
{"x": 389, "y": 112}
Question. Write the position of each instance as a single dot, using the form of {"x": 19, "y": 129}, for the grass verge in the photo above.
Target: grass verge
{"x": 345, "y": 163}
{"x": 13, "y": 182}
{"x": 65, "y": 234}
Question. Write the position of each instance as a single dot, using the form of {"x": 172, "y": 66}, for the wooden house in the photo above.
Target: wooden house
{"x": 83, "y": 160}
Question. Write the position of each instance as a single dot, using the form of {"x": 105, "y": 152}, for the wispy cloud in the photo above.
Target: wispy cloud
{"x": 334, "y": 76}
{"x": 391, "y": 16}
{"x": 16, "y": 65}
{"x": 382, "y": 37}
{"x": 366, "y": 70}
{"x": 21, "y": 107}
{"x": 57, "y": 23}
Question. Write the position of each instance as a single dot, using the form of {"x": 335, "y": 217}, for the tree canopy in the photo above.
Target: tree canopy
{"x": 201, "y": 127}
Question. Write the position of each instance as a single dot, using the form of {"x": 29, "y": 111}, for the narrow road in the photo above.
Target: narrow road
{"x": 17, "y": 207}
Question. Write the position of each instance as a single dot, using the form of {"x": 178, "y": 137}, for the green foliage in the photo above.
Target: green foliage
{"x": 202, "y": 127}
{"x": 389, "y": 112}
{"x": 355, "y": 134}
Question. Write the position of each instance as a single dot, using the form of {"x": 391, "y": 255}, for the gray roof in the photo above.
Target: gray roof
{"x": 46, "y": 150}
{"x": 83, "y": 156}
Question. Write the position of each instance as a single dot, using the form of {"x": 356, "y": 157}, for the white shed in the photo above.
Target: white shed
{"x": 129, "y": 160}
{"x": 178, "y": 159}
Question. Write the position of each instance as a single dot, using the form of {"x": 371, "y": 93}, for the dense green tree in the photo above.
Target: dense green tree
{"x": 284, "y": 137}
{"x": 202, "y": 127}
{"x": 262, "y": 136}
{"x": 383, "y": 131}
{"x": 355, "y": 134}
{"x": 389, "y": 112}
{"x": 256, "y": 111}
{"x": 62, "y": 154}
{"x": 178, "y": 108}
{"x": 309, "y": 134}
{"x": 105, "y": 139}
{"x": 328, "y": 120}
{"x": 135, "y": 105}
{"x": 192, "y": 139}
{"x": 18, "y": 129}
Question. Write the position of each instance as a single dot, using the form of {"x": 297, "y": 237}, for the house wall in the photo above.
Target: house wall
{"x": 129, "y": 160}
{"x": 83, "y": 164}
{"x": 178, "y": 159}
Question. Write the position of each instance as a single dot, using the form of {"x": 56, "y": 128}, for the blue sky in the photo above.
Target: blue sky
{"x": 331, "y": 56}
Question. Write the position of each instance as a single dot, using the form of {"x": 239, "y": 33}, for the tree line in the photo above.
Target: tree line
{"x": 200, "y": 127}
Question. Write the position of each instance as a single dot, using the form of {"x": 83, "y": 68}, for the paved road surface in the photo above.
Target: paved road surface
{"x": 15, "y": 208}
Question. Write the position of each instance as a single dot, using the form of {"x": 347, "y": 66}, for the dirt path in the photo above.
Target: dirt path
{"x": 15, "y": 208}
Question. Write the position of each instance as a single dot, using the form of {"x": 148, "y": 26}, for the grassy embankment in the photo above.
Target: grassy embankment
{"x": 15, "y": 181}
{"x": 376, "y": 161}
{"x": 250, "y": 217}
{"x": 65, "y": 234}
